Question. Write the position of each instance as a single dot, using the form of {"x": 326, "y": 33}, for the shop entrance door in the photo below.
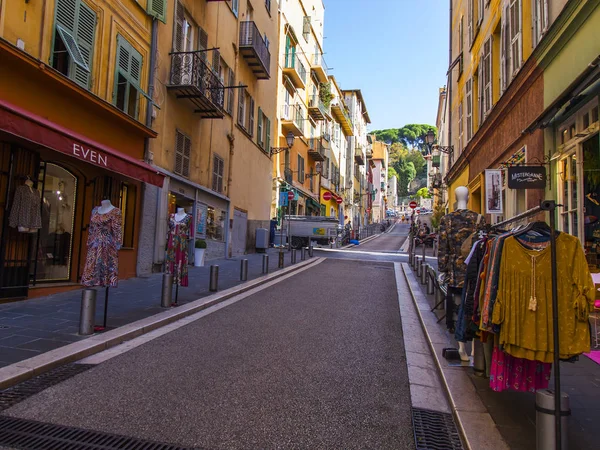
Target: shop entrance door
{"x": 17, "y": 165}
{"x": 240, "y": 228}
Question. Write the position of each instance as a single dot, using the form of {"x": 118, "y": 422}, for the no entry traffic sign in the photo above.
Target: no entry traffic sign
{"x": 339, "y": 200}
{"x": 291, "y": 195}
{"x": 327, "y": 196}
{"x": 413, "y": 205}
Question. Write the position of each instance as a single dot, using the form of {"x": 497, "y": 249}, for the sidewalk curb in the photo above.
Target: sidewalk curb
{"x": 477, "y": 428}
{"x": 23, "y": 370}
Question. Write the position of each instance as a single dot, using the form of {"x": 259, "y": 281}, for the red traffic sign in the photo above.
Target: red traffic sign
{"x": 326, "y": 196}
{"x": 339, "y": 200}
{"x": 413, "y": 205}
{"x": 291, "y": 195}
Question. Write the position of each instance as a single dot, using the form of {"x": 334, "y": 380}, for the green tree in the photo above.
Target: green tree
{"x": 412, "y": 136}
{"x": 406, "y": 173}
{"x": 392, "y": 173}
{"x": 389, "y": 136}
{"x": 418, "y": 161}
{"x": 423, "y": 193}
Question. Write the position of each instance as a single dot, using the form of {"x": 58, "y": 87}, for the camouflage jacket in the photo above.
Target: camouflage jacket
{"x": 454, "y": 229}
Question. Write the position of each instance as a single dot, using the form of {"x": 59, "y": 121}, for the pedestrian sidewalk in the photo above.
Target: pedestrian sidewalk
{"x": 31, "y": 327}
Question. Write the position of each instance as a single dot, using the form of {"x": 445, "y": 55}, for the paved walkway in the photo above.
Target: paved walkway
{"x": 34, "y": 326}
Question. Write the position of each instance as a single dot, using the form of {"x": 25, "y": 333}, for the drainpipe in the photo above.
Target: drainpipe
{"x": 149, "y": 109}
{"x": 449, "y": 90}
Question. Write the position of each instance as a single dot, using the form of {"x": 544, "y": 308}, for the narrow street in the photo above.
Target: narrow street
{"x": 292, "y": 366}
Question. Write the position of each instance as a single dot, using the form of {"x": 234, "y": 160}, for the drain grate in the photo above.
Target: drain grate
{"x": 32, "y": 435}
{"x": 435, "y": 430}
{"x": 18, "y": 393}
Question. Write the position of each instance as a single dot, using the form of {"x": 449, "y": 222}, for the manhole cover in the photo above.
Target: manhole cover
{"x": 32, "y": 435}
{"x": 435, "y": 430}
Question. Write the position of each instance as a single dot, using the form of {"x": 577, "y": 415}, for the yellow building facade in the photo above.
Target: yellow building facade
{"x": 73, "y": 81}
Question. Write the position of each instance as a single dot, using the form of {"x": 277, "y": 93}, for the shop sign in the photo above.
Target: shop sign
{"x": 493, "y": 191}
{"x": 89, "y": 155}
{"x": 201, "y": 213}
{"x": 283, "y": 199}
{"x": 527, "y": 177}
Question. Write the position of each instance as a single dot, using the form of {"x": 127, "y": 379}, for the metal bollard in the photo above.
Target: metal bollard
{"x": 439, "y": 299}
{"x": 430, "y": 284}
{"x": 310, "y": 250}
{"x": 330, "y": 244}
{"x": 88, "y": 312}
{"x": 478, "y": 358}
{"x": 424, "y": 272}
{"x": 302, "y": 253}
{"x": 214, "y": 278}
{"x": 293, "y": 256}
{"x": 419, "y": 267}
{"x": 545, "y": 420}
{"x": 281, "y": 264}
{"x": 265, "y": 266}
{"x": 167, "y": 290}
{"x": 244, "y": 270}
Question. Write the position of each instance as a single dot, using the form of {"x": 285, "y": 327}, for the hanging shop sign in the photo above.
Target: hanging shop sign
{"x": 493, "y": 191}
{"x": 283, "y": 199}
{"x": 435, "y": 161}
{"x": 527, "y": 177}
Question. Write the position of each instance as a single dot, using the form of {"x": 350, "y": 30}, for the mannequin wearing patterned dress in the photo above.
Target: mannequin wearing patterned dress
{"x": 176, "y": 260}
{"x": 104, "y": 241}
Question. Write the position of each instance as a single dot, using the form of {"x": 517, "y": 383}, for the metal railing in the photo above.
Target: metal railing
{"x": 316, "y": 145}
{"x": 292, "y": 61}
{"x": 191, "y": 69}
{"x": 314, "y": 101}
{"x": 294, "y": 113}
{"x": 318, "y": 60}
{"x": 251, "y": 37}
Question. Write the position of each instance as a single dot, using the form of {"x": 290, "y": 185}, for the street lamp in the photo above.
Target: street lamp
{"x": 289, "y": 138}
{"x": 430, "y": 139}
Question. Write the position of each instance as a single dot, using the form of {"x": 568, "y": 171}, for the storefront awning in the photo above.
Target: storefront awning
{"x": 31, "y": 127}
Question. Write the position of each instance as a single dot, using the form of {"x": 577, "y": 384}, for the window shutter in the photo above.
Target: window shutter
{"x": 86, "y": 32}
{"x": 268, "y": 135}
{"x": 129, "y": 61}
{"x": 158, "y": 9}
{"x": 234, "y": 6}
{"x": 178, "y": 38}
{"x": 259, "y": 129}
{"x": 470, "y": 20}
{"x": 179, "y": 144}
{"x": 216, "y": 62}
{"x": 202, "y": 42}
{"x": 469, "y": 99}
{"x": 241, "y": 106}
{"x": 187, "y": 150}
{"x": 251, "y": 121}
{"x": 306, "y": 27}
{"x": 545, "y": 16}
{"x": 230, "y": 92}
{"x": 480, "y": 94}
{"x": 515, "y": 33}
{"x": 66, "y": 13}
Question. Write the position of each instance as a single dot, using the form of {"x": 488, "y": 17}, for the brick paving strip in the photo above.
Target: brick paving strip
{"x": 69, "y": 352}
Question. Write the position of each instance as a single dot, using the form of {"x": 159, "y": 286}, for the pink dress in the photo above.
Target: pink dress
{"x": 176, "y": 260}
{"x": 518, "y": 374}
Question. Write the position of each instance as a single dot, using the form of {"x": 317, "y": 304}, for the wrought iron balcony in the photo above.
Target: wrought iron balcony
{"x": 359, "y": 157}
{"x": 316, "y": 149}
{"x": 319, "y": 66}
{"x": 317, "y": 109}
{"x": 292, "y": 119}
{"x": 193, "y": 79}
{"x": 295, "y": 70}
{"x": 254, "y": 49}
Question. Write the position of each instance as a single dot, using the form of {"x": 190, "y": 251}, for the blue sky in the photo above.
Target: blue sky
{"x": 395, "y": 51}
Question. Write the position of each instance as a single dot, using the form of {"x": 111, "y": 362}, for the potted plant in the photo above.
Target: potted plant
{"x": 199, "y": 250}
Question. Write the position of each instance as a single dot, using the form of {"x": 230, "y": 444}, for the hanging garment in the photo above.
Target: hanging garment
{"x": 464, "y": 332}
{"x": 104, "y": 241}
{"x": 455, "y": 229}
{"x": 176, "y": 259}
{"x": 523, "y": 306}
{"x": 26, "y": 213}
{"x": 517, "y": 374}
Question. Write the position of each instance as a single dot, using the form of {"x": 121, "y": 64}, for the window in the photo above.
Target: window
{"x": 480, "y": 7}
{"x": 263, "y": 134}
{"x": 460, "y": 127}
{"x": 300, "y": 169}
{"x": 246, "y": 111}
{"x": 469, "y": 101}
{"x": 471, "y": 31}
{"x": 127, "y": 78}
{"x": 230, "y": 92}
{"x": 215, "y": 223}
{"x": 461, "y": 38}
{"x": 306, "y": 28}
{"x": 539, "y": 20}
{"x": 217, "y": 179}
{"x": 127, "y": 200}
{"x": 515, "y": 36}
{"x": 569, "y": 196}
{"x": 268, "y": 6}
{"x": 234, "y": 5}
{"x": 183, "y": 148}
{"x": 74, "y": 36}
{"x": 486, "y": 97}
{"x": 326, "y": 168}
{"x": 158, "y": 9}
{"x": 290, "y": 51}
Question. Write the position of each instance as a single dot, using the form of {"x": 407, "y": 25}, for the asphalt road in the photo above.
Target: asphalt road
{"x": 315, "y": 361}
{"x": 390, "y": 242}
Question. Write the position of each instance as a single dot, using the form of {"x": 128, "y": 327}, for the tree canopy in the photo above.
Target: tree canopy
{"x": 392, "y": 173}
{"x": 412, "y": 136}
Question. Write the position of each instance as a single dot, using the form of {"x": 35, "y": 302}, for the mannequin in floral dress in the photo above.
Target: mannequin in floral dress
{"x": 176, "y": 260}
{"x": 104, "y": 241}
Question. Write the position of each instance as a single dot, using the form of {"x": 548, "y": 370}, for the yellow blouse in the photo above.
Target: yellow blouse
{"x": 523, "y": 307}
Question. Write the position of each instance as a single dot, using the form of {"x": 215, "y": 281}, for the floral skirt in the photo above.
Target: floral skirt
{"x": 101, "y": 266}
{"x": 518, "y": 374}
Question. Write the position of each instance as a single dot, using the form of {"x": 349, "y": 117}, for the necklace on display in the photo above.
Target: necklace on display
{"x": 106, "y": 207}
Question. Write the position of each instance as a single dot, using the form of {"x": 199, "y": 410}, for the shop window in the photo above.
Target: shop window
{"x": 127, "y": 78}
{"x": 58, "y": 189}
{"x": 215, "y": 222}
{"x": 591, "y": 199}
{"x": 568, "y": 191}
{"x": 74, "y": 36}
{"x": 127, "y": 205}
{"x": 183, "y": 149}
{"x": 217, "y": 180}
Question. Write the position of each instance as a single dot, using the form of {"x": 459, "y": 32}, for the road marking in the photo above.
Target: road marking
{"x": 365, "y": 252}
{"x": 136, "y": 342}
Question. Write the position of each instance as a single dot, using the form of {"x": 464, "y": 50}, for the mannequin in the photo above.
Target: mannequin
{"x": 180, "y": 214}
{"x": 25, "y": 212}
{"x": 29, "y": 183}
{"x": 105, "y": 207}
{"x": 176, "y": 257}
{"x": 455, "y": 228}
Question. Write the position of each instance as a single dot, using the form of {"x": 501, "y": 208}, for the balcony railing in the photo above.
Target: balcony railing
{"x": 193, "y": 79}
{"x": 316, "y": 149}
{"x": 254, "y": 49}
{"x": 319, "y": 66}
{"x": 359, "y": 156}
{"x": 294, "y": 69}
{"x": 293, "y": 118}
{"x": 317, "y": 109}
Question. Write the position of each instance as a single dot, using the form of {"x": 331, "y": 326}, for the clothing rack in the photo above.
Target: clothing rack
{"x": 550, "y": 206}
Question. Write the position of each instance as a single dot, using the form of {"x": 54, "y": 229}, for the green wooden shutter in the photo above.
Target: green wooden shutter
{"x": 259, "y": 128}
{"x": 85, "y": 36}
{"x": 268, "y": 135}
{"x": 158, "y": 9}
{"x": 251, "y": 123}
{"x": 66, "y": 14}
{"x": 129, "y": 65}
{"x": 178, "y": 38}
{"x": 202, "y": 43}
